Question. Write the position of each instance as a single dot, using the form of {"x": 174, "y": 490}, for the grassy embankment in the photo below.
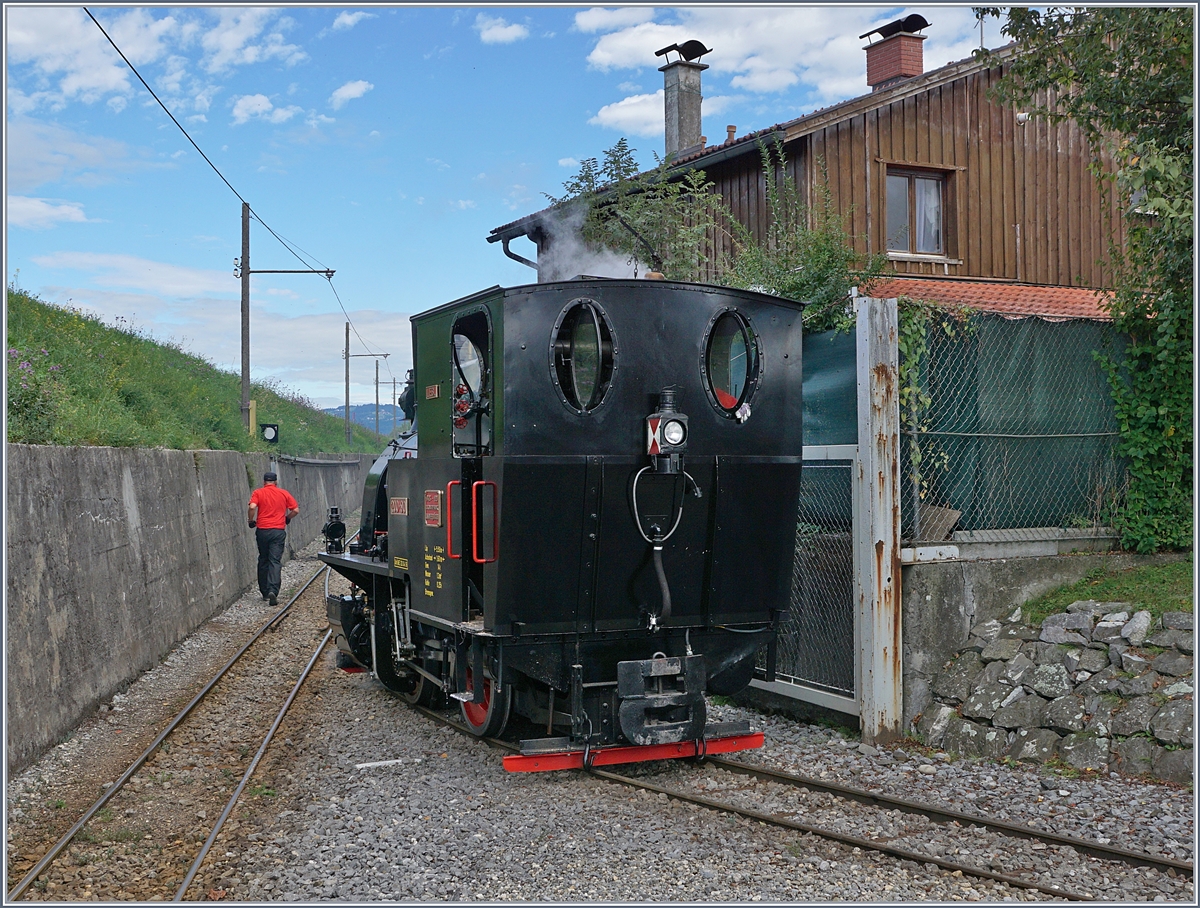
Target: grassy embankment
{"x": 75, "y": 381}
{"x": 1157, "y": 588}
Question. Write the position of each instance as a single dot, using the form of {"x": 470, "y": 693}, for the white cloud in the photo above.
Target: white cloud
{"x": 769, "y": 50}
{"x": 462, "y": 204}
{"x": 349, "y": 20}
{"x": 349, "y": 92}
{"x": 259, "y": 107}
{"x": 640, "y": 115}
{"x": 41, "y": 214}
{"x": 133, "y": 273}
{"x": 40, "y": 152}
{"x": 567, "y": 162}
{"x": 235, "y": 40}
{"x": 607, "y": 20}
{"x": 64, "y": 48}
{"x": 315, "y": 119}
{"x": 494, "y": 30}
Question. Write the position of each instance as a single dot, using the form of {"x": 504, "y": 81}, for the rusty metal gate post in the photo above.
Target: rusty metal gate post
{"x": 878, "y": 662}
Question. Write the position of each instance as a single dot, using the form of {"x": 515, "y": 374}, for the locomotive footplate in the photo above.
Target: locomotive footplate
{"x": 548, "y": 754}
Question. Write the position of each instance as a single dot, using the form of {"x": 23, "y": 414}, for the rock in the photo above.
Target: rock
{"x": 1071, "y": 659}
{"x": 1133, "y": 663}
{"x": 1101, "y": 722}
{"x": 955, "y": 682}
{"x": 1173, "y": 723}
{"x": 1139, "y": 686}
{"x": 1088, "y": 605}
{"x": 1016, "y": 617}
{"x": 1098, "y": 683}
{"x": 1034, "y": 745}
{"x": 1027, "y": 712}
{"x": 992, "y": 672}
{"x": 1092, "y": 660}
{"x": 1137, "y": 628}
{"x": 1017, "y": 669}
{"x": 1179, "y": 621}
{"x": 1173, "y": 663}
{"x": 1064, "y": 715}
{"x": 1061, "y": 635}
{"x": 988, "y": 630}
{"x": 1051, "y": 681}
{"x": 1019, "y": 632}
{"x": 1000, "y": 650}
{"x": 1084, "y": 751}
{"x": 1134, "y": 716}
{"x": 927, "y": 769}
{"x": 1108, "y": 631}
{"x": 1179, "y": 689}
{"x": 985, "y": 700}
{"x": 932, "y": 726}
{"x": 1172, "y": 639}
{"x": 974, "y": 645}
{"x": 1135, "y": 756}
{"x": 865, "y": 750}
{"x": 1071, "y": 621}
{"x": 974, "y": 740}
{"x": 1116, "y": 617}
{"x": 1115, "y": 652}
{"x": 1043, "y": 653}
{"x": 1174, "y": 765}
{"x": 1018, "y": 693}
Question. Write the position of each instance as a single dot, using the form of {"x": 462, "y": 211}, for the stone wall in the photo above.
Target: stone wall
{"x": 1098, "y": 687}
{"x": 944, "y": 600}
{"x": 114, "y": 555}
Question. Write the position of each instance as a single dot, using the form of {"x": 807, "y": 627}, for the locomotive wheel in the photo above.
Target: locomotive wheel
{"x": 424, "y": 693}
{"x": 487, "y": 719}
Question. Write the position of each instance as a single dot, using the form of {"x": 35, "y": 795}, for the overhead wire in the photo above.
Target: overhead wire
{"x": 286, "y": 245}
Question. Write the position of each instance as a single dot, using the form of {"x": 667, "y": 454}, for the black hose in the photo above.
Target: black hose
{"x": 662, "y": 583}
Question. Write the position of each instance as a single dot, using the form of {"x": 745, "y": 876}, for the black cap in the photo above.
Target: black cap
{"x": 269, "y": 477}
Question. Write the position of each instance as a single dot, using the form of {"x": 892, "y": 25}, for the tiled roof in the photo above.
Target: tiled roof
{"x": 1003, "y": 298}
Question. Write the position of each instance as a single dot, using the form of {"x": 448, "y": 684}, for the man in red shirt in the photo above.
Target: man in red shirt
{"x": 271, "y": 509}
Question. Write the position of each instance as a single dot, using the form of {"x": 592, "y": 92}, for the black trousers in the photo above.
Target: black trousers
{"x": 270, "y": 559}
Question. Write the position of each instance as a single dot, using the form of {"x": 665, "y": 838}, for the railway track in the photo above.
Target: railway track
{"x": 170, "y": 821}
{"x": 1007, "y": 847}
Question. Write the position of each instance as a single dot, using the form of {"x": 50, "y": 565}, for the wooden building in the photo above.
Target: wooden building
{"x": 928, "y": 168}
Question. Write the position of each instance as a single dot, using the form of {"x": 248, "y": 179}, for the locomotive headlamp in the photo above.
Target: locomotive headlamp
{"x": 674, "y": 432}
{"x": 666, "y": 434}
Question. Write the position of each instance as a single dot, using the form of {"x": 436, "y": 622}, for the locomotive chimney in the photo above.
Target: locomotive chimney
{"x": 897, "y": 55}
{"x": 681, "y": 83}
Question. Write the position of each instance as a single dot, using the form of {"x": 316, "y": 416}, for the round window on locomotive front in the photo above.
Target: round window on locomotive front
{"x": 731, "y": 361}
{"x": 583, "y": 355}
{"x": 469, "y": 360}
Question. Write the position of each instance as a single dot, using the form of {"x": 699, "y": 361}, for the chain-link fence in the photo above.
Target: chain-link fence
{"x": 1005, "y": 423}
{"x": 816, "y": 636}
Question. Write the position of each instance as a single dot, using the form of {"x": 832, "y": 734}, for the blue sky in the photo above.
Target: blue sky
{"x": 386, "y": 142}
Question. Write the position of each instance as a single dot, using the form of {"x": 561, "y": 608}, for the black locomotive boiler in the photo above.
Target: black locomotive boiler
{"x": 596, "y": 523}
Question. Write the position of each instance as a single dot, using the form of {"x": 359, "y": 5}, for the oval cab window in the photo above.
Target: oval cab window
{"x": 730, "y": 362}
{"x": 583, "y": 353}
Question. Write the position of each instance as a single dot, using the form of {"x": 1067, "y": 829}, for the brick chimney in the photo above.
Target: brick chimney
{"x": 898, "y": 55}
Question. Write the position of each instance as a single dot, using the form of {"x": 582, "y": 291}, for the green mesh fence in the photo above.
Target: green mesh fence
{"x": 1007, "y": 423}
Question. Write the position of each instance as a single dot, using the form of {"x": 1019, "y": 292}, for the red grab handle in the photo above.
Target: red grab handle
{"x": 475, "y": 523}
{"x": 450, "y": 521}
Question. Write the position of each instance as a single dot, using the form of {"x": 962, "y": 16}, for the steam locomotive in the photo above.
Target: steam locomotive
{"x": 594, "y": 525}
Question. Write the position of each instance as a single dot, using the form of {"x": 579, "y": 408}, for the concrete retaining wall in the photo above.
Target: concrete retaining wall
{"x": 116, "y": 554}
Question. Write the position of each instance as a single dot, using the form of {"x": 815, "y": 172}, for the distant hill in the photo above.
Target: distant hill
{"x": 364, "y": 415}
{"x": 72, "y": 380}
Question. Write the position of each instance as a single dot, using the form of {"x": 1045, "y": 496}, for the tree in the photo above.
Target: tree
{"x": 652, "y": 218}
{"x": 1125, "y": 75}
{"x": 806, "y": 253}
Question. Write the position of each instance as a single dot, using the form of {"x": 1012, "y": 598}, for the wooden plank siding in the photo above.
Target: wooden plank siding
{"x": 1021, "y": 201}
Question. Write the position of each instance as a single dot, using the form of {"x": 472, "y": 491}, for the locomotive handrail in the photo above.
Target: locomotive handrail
{"x": 475, "y": 523}
{"x": 450, "y": 520}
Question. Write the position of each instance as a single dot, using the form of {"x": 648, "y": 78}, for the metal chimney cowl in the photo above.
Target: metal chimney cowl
{"x": 682, "y": 105}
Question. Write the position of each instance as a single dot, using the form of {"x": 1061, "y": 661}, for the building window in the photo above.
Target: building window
{"x": 916, "y": 213}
